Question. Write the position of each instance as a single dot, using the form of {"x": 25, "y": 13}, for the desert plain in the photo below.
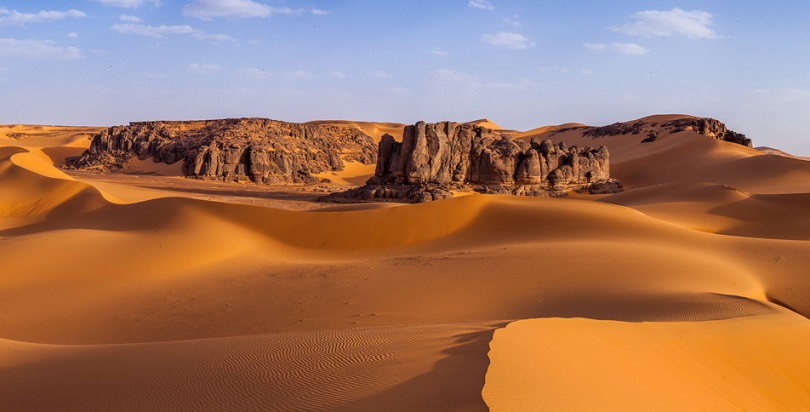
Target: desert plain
{"x": 144, "y": 290}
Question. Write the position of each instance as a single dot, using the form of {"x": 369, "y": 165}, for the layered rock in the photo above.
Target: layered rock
{"x": 434, "y": 159}
{"x": 250, "y": 149}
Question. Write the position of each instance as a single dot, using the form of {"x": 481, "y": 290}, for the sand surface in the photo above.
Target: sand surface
{"x": 148, "y": 291}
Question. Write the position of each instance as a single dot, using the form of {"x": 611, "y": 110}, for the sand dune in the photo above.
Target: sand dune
{"x": 743, "y": 363}
{"x": 398, "y": 368}
{"x": 150, "y": 292}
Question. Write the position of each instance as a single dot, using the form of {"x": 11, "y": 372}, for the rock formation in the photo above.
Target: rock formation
{"x": 259, "y": 150}
{"x": 434, "y": 159}
{"x": 705, "y": 126}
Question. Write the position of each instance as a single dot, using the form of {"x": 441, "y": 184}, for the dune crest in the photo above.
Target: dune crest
{"x": 142, "y": 291}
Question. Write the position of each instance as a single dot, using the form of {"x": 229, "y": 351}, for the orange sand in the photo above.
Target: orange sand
{"x": 148, "y": 292}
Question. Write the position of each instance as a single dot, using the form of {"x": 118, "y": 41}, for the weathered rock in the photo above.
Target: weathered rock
{"x": 709, "y": 127}
{"x": 259, "y": 150}
{"x": 706, "y": 126}
{"x": 434, "y": 159}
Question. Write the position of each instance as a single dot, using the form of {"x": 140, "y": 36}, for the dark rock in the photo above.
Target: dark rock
{"x": 434, "y": 159}
{"x": 706, "y": 126}
{"x": 258, "y": 150}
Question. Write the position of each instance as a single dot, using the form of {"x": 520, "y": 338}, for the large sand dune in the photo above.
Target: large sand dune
{"x": 147, "y": 292}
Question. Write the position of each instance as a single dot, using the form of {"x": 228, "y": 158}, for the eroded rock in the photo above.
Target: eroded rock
{"x": 434, "y": 159}
{"x": 250, "y": 149}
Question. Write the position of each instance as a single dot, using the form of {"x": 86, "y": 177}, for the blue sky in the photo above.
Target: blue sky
{"x": 521, "y": 64}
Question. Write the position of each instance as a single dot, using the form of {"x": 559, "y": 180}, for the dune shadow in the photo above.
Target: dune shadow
{"x": 454, "y": 383}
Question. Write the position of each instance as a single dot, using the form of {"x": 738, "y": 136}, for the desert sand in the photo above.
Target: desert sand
{"x": 148, "y": 291}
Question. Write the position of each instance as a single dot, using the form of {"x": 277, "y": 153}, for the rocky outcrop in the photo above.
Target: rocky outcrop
{"x": 434, "y": 159}
{"x": 251, "y": 149}
{"x": 705, "y": 126}
{"x": 708, "y": 127}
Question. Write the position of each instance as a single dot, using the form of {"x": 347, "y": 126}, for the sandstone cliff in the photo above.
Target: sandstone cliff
{"x": 259, "y": 150}
{"x": 434, "y": 159}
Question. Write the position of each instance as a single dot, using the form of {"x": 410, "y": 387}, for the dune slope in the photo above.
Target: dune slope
{"x": 171, "y": 302}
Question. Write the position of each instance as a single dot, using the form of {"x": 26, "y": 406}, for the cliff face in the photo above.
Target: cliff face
{"x": 259, "y": 150}
{"x": 432, "y": 159}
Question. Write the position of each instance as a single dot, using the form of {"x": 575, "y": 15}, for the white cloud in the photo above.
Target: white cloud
{"x": 339, "y": 74}
{"x": 132, "y": 19}
{"x": 695, "y": 24}
{"x": 508, "y": 40}
{"x": 15, "y": 18}
{"x": 595, "y": 46}
{"x": 153, "y": 31}
{"x": 37, "y": 49}
{"x": 439, "y": 52}
{"x": 209, "y": 9}
{"x": 320, "y": 12}
{"x": 514, "y": 21}
{"x": 162, "y": 31}
{"x": 216, "y": 38}
{"x": 379, "y": 74}
{"x": 481, "y": 4}
{"x": 73, "y": 35}
{"x": 128, "y": 4}
{"x": 256, "y": 73}
{"x": 629, "y": 49}
{"x": 203, "y": 68}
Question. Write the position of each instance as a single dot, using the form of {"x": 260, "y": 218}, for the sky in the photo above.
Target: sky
{"x": 521, "y": 64}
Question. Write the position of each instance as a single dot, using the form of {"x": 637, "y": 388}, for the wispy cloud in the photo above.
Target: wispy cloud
{"x": 457, "y": 80}
{"x": 319, "y": 12}
{"x": 557, "y": 69}
{"x": 782, "y": 96}
{"x": 379, "y": 74}
{"x": 439, "y": 52}
{"x": 37, "y": 49}
{"x": 695, "y": 24}
{"x": 209, "y": 9}
{"x": 162, "y": 31}
{"x": 481, "y": 4}
{"x": 339, "y": 74}
{"x": 128, "y": 4}
{"x": 508, "y": 40}
{"x": 629, "y": 49}
{"x": 73, "y": 35}
{"x": 203, "y": 68}
{"x": 15, "y": 18}
{"x": 514, "y": 21}
{"x": 132, "y": 19}
{"x": 153, "y": 31}
{"x": 256, "y": 73}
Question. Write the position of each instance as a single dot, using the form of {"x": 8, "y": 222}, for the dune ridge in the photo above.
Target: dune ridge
{"x": 136, "y": 298}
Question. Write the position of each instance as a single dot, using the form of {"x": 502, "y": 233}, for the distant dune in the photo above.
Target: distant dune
{"x": 147, "y": 291}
